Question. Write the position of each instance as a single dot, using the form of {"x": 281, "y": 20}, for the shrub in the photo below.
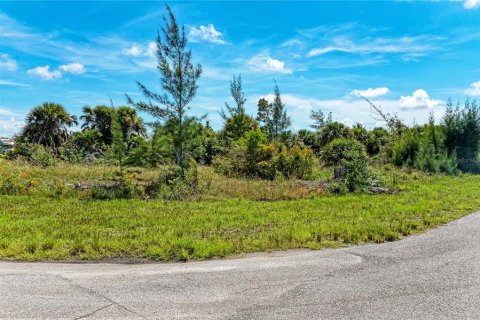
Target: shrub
{"x": 171, "y": 185}
{"x": 462, "y": 134}
{"x": 252, "y": 157}
{"x": 35, "y": 154}
{"x": 405, "y": 148}
{"x": 296, "y": 162}
{"x": 350, "y": 163}
{"x": 429, "y": 161}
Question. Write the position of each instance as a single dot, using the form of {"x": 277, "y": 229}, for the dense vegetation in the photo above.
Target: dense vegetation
{"x": 425, "y": 173}
{"x": 261, "y": 147}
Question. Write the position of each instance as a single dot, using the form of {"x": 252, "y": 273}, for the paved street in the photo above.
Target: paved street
{"x": 435, "y": 275}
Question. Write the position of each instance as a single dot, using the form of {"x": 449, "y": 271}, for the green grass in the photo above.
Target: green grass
{"x": 35, "y": 228}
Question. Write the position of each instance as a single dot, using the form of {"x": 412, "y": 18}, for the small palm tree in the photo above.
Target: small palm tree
{"x": 130, "y": 123}
{"x": 48, "y": 125}
{"x": 99, "y": 118}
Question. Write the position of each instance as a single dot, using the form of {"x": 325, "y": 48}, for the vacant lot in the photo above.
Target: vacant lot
{"x": 42, "y": 226}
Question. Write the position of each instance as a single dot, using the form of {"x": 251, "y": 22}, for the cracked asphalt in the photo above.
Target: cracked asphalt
{"x": 435, "y": 275}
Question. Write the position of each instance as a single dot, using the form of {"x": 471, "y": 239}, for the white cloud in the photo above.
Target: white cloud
{"x": 264, "y": 62}
{"x": 419, "y": 100}
{"x": 471, "y": 4}
{"x": 151, "y": 49}
{"x": 371, "y": 92}
{"x": 205, "y": 33}
{"x": 133, "y": 51}
{"x": 7, "y": 63}
{"x": 474, "y": 89}
{"x": 10, "y": 127}
{"x": 75, "y": 68}
{"x": 13, "y": 84}
{"x": 405, "y": 45}
{"x": 44, "y": 73}
{"x": 5, "y": 112}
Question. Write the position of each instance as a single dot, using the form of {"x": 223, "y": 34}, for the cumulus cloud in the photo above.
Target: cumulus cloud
{"x": 75, "y": 68}
{"x": 7, "y": 63}
{"x": 138, "y": 51}
{"x": 264, "y": 62}
{"x": 44, "y": 73}
{"x": 205, "y": 33}
{"x": 419, "y": 100}
{"x": 133, "y": 51}
{"x": 371, "y": 92}
{"x": 474, "y": 89}
{"x": 471, "y": 4}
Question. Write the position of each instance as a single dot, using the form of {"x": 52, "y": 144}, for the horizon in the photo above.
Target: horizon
{"x": 408, "y": 57}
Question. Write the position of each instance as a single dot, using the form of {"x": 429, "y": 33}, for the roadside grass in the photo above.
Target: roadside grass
{"x": 37, "y": 228}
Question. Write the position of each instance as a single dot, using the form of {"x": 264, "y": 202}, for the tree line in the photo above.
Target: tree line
{"x": 260, "y": 146}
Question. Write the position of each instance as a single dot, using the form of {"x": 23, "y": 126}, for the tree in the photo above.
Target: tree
{"x": 359, "y": 133}
{"x": 238, "y": 95}
{"x": 319, "y": 119}
{"x": 99, "y": 118}
{"x": 131, "y": 125}
{"x": 280, "y": 120}
{"x": 273, "y": 116}
{"x": 462, "y": 134}
{"x": 48, "y": 125}
{"x": 237, "y": 125}
{"x": 350, "y": 163}
{"x": 236, "y": 121}
{"x": 178, "y": 81}
{"x": 331, "y": 131}
{"x": 377, "y": 138}
{"x": 264, "y": 111}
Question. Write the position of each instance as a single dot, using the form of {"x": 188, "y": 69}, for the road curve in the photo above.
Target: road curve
{"x": 435, "y": 275}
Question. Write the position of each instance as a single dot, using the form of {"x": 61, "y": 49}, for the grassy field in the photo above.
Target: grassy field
{"x": 36, "y": 227}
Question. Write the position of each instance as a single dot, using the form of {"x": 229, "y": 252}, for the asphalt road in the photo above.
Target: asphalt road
{"x": 435, "y": 275}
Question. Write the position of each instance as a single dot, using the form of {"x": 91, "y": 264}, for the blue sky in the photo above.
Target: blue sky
{"x": 407, "y": 56}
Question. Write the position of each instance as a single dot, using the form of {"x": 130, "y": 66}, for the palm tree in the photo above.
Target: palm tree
{"x": 130, "y": 123}
{"x": 48, "y": 125}
{"x": 99, "y": 118}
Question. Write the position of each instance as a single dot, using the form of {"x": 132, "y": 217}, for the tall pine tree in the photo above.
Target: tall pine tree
{"x": 179, "y": 83}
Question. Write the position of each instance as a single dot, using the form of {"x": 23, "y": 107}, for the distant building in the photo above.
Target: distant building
{"x": 6, "y": 144}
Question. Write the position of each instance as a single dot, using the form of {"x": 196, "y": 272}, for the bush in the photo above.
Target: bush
{"x": 252, "y": 157}
{"x": 405, "y": 148}
{"x": 350, "y": 163}
{"x": 35, "y": 154}
{"x": 429, "y": 161}
{"x": 296, "y": 162}
{"x": 462, "y": 134}
{"x": 172, "y": 185}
